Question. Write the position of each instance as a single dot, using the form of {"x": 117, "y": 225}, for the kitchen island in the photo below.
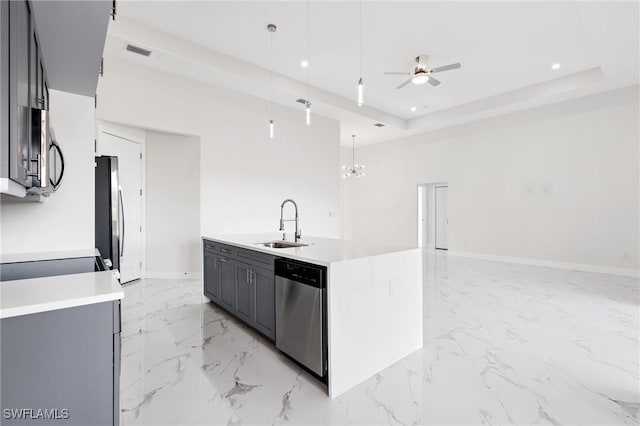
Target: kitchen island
{"x": 373, "y": 306}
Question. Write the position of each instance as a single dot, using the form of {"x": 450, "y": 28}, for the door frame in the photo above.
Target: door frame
{"x": 435, "y": 215}
{"x": 425, "y": 208}
{"x": 138, "y": 136}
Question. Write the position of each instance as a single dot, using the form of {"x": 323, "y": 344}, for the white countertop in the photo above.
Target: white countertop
{"x": 46, "y": 255}
{"x": 33, "y": 295}
{"x": 321, "y": 251}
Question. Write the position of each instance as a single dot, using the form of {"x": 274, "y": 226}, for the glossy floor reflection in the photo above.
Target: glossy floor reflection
{"x": 503, "y": 344}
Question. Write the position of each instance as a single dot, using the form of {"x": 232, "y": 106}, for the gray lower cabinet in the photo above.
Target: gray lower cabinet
{"x": 227, "y": 282}
{"x": 245, "y": 292}
{"x": 245, "y": 284}
{"x": 211, "y": 276}
{"x": 62, "y": 367}
{"x": 265, "y": 306}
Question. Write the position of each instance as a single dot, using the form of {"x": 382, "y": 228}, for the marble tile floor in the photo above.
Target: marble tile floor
{"x": 503, "y": 344}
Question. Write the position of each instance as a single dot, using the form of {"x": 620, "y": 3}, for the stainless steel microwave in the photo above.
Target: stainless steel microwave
{"x": 48, "y": 161}
{"x": 38, "y": 167}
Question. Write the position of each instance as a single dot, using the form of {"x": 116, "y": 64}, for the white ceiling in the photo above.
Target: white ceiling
{"x": 506, "y": 50}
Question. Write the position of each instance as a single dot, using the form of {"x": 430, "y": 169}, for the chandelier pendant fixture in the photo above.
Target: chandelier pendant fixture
{"x": 355, "y": 170}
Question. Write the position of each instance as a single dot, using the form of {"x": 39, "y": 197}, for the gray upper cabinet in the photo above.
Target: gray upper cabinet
{"x": 34, "y": 64}
{"x": 24, "y": 88}
{"x": 4, "y": 85}
{"x": 227, "y": 283}
{"x": 20, "y": 38}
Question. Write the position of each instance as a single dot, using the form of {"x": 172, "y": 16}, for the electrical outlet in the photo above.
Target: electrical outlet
{"x": 626, "y": 255}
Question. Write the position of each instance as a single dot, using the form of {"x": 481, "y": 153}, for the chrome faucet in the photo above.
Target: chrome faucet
{"x": 282, "y": 221}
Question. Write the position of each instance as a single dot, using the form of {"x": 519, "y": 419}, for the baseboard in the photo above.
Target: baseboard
{"x": 549, "y": 264}
{"x": 172, "y": 275}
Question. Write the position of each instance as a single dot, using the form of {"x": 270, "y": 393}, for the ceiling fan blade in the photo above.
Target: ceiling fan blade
{"x": 447, "y": 67}
{"x": 432, "y": 81}
{"x": 396, "y": 73}
{"x": 404, "y": 84}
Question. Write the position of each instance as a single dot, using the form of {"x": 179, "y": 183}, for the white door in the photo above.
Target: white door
{"x": 442, "y": 219}
{"x": 130, "y": 176}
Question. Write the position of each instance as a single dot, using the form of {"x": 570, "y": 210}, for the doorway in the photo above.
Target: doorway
{"x": 441, "y": 217}
{"x": 433, "y": 219}
{"x": 128, "y": 149}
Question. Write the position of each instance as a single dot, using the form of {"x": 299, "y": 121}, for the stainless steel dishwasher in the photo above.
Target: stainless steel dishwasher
{"x": 300, "y": 314}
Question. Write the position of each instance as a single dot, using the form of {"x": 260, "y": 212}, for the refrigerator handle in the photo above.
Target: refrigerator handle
{"x": 121, "y": 209}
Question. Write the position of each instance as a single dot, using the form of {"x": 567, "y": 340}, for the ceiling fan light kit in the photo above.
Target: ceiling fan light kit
{"x": 421, "y": 74}
{"x": 420, "y": 79}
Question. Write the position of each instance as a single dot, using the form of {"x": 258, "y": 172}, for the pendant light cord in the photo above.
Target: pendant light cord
{"x": 308, "y": 43}
{"x": 360, "y": 38}
{"x": 271, "y": 77}
{"x": 353, "y": 152}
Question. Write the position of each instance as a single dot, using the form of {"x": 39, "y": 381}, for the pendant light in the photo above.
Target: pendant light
{"x": 355, "y": 170}
{"x": 272, "y": 29}
{"x": 360, "y": 81}
{"x": 307, "y": 104}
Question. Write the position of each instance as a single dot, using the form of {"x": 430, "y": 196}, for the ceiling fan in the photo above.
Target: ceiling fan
{"x": 421, "y": 74}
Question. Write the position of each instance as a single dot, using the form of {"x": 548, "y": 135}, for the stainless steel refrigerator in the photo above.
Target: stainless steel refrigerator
{"x": 109, "y": 211}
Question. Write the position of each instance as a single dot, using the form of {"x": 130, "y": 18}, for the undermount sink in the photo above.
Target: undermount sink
{"x": 282, "y": 244}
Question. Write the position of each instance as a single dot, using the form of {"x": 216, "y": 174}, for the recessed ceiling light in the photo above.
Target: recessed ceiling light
{"x": 304, "y": 64}
{"x": 413, "y": 108}
{"x": 555, "y": 66}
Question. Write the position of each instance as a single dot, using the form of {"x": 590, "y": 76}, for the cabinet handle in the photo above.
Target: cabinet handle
{"x": 223, "y": 259}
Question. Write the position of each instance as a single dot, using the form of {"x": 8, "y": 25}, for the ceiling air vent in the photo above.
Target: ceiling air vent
{"x": 379, "y": 125}
{"x": 138, "y": 50}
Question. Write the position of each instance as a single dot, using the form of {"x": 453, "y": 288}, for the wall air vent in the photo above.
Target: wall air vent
{"x": 138, "y": 50}
{"x": 379, "y": 125}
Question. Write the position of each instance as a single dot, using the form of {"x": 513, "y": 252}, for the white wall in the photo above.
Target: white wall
{"x": 172, "y": 206}
{"x": 558, "y": 183}
{"x": 244, "y": 175}
{"x": 65, "y": 221}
